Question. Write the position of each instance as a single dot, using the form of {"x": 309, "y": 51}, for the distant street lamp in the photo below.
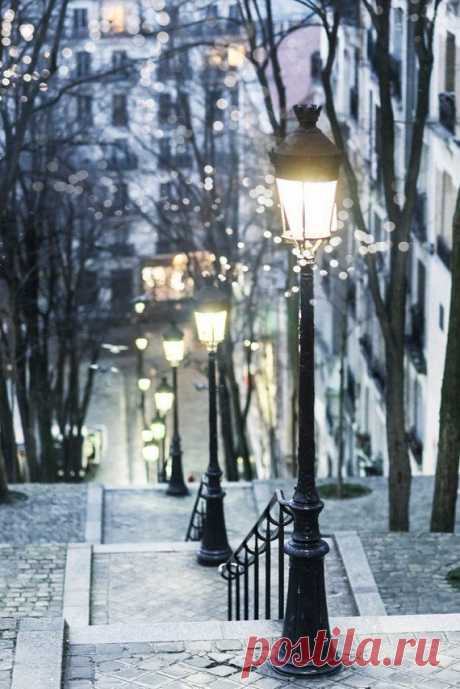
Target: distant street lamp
{"x": 143, "y": 383}
{"x": 147, "y": 435}
{"x": 164, "y": 397}
{"x": 174, "y": 349}
{"x": 158, "y": 429}
{"x": 150, "y": 453}
{"x": 211, "y": 318}
{"x": 307, "y": 169}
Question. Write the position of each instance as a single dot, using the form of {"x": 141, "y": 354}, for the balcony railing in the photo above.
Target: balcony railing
{"x": 447, "y": 111}
{"x": 415, "y": 341}
{"x": 443, "y": 251}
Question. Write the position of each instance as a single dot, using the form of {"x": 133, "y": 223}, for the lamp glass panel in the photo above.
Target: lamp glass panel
{"x": 147, "y": 435}
{"x": 309, "y": 209}
{"x": 150, "y": 452}
{"x": 164, "y": 401}
{"x": 144, "y": 384}
{"x": 142, "y": 343}
{"x": 211, "y": 327}
{"x": 174, "y": 350}
{"x": 158, "y": 430}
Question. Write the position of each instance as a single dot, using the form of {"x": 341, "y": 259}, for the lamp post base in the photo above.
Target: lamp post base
{"x": 177, "y": 489}
{"x": 309, "y": 670}
{"x": 214, "y": 548}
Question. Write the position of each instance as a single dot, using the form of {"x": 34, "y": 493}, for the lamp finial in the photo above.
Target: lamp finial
{"x": 307, "y": 115}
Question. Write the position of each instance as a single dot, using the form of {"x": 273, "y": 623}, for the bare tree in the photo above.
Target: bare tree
{"x": 446, "y": 481}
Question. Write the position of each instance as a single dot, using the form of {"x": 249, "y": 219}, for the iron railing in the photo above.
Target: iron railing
{"x": 246, "y": 594}
{"x": 196, "y": 523}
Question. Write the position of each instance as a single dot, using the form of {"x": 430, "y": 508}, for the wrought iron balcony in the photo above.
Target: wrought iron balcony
{"x": 447, "y": 111}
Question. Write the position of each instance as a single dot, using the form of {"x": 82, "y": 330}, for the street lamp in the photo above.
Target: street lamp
{"x": 307, "y": 170}
{"x": 141, "y": 343}
{"x": 211, "y": 318}
{"x": 164, "y": 397}
{"x": 144, "y": 384}
{"x": 158, "y": 429}
{"x": 150, "y": 453}
{"x": 174, "y": 349}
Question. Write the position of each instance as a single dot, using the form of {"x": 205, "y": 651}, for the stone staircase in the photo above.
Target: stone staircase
{"x": 139, "y": 612}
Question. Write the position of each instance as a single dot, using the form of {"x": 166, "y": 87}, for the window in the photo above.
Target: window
{"x": 85, "y": 109}
{"x": 80, "y": 21}
{"x": 113, "y": 18}
{"x": 89, "y": 287}
{"x": 121, "y": 157}
{"x": 449, "y": 75}
{"x": 165, "y": 153}
{"x": 119, "y": 59}
{"x": 165, "y": 107}
{"x": 121, "y": 283}
{"x": 445, "y": 194}
{"x": 119, "y": 110}
{"x": 83, "y": 64}
{"x": 441, "y": 316}
{"x": 120, "y": 197}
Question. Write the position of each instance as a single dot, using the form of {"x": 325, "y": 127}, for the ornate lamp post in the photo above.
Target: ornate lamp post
{"x": 158, "y": 430}
{"x": 164, "y": 399}
{"x": 143, "y": 383}
{"x": 307, "y": 169}
{"x": 211, "y": 318}
{"x": 174, "y": 349}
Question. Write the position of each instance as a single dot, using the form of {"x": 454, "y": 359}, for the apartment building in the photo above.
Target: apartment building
{"x": 358, "y": 368}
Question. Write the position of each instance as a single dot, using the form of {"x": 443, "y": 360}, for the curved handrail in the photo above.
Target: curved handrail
{"x": 196, "y": 522}
{"x": 269, "y": 528}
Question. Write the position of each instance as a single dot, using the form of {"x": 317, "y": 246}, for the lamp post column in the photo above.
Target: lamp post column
{"x": 140, "y": 373}
{"x": 214, "y": 548}
{"x": 306, "y": 608}
{"x": 176, "y": 482}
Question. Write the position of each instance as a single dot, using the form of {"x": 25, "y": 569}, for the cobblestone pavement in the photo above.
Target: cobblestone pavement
{"x": 217, "y": 665}
{"x": 7, "y": 643}
{"x": 369, "y": 513}
{"x": 53, "y": 513}
{"x": 410, "y": 571}
{"x": 31, "y": 585}
{"x": 160, "y": 587}
{"x": 151, "y": 515}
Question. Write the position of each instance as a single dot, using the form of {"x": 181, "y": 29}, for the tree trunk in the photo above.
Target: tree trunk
{"x": 446, "y": 480}
{"x": 399, "y": 473}
{"x": 7, "y": 436}
{"x": 4, "y": 493}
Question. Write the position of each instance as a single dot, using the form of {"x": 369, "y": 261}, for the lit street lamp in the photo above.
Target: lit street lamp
{"x": 211, "y": 318}
{"x": 158, "y": 430}
{"x": 150, "y": 453}
{"x": 143, "y": 383}
{"x": 307, "y": 169}
{"x": 174, "y": 349}
{"x": 164, "y": 399}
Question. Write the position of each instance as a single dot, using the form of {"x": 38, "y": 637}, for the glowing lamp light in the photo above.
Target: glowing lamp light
{"x": 307, "y": 167}
{"x": 173, "y": 345}
{"x": 141, "y": 343}
{"x": 164, "y": 397}
{"x": 144, "y": 384}
{"x": 158, "y": 428}
{"x": 139, "y": 307}
{"x": 211, "y": 317}
{"x": 147, "y": 435}
{"x": 150, "y": 452}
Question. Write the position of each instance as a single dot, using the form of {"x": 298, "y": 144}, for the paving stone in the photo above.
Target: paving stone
{"x": 410, "y": 571}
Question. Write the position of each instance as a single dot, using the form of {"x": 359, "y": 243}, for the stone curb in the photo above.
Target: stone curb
{"x": 208, "y": 631}
{"x": 77, "y": 585}
{"x": 162, "y": 487}
{"x": 362, "y": 583}
{"x": 167, "y": 547}
{"x": 94, "y": 513}
{"x": 39, "y": 654}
